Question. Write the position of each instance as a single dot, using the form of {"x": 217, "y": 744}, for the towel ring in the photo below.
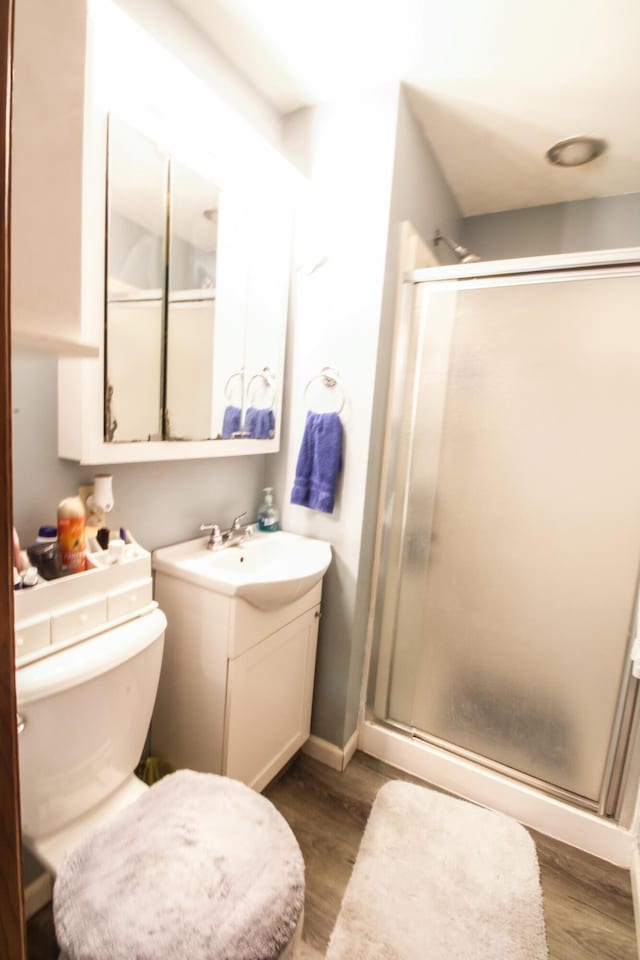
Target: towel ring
{"x": 227, "y": 386}
{"x": 267, "y": 376}
{"x": 330, "y": 377}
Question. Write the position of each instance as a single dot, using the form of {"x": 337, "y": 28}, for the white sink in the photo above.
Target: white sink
{"x": 269, "y": 570}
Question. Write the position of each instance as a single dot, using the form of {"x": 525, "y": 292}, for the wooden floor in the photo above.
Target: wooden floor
{"x": 588, "y": 908}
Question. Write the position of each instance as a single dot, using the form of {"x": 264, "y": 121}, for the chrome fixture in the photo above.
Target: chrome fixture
{"x": 461, "y": 252}
{"x": 233, "y": 537}
{"x": 574, "y": 151}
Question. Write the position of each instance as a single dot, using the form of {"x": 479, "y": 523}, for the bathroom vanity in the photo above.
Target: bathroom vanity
{"x": 236, "y": 685}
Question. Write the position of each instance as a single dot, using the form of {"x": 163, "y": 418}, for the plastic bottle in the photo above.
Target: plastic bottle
{"x": 71, "y": 526}
{"x": 268, "y": 516}
{"x": 47, "y": 534}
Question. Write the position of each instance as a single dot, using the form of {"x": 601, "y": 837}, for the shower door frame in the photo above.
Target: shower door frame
{"x": 394, "y": 498}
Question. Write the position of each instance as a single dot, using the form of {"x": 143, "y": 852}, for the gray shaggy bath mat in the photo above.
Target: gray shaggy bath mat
{"x": 438, "y": 878}
{"x": 200, "y": 867}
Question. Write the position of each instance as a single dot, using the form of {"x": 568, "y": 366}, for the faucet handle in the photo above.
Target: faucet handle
{"x": 214, "y": 530}
{"x": 235, "y": 524}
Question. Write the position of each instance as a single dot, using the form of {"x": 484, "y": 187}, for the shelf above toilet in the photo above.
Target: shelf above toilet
{"x": 58, "y": 613}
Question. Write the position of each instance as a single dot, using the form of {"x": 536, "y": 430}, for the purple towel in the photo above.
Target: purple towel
{"x": 259, "y": 423}
{"x": 319, "y": 462}
{"x": 230, "y": 421}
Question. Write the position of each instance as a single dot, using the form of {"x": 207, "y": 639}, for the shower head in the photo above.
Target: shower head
{"x": 461, "y": 252}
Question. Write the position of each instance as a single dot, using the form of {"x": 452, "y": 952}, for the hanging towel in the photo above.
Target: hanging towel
{"x": 231, "y": 421}
{"x": 319, "y": 462}
{"x": 259, "y": 423}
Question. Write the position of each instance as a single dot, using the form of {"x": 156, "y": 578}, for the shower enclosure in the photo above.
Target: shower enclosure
{"x": 510, "y": 547}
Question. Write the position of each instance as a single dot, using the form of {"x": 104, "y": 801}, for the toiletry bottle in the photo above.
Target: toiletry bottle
{"x": 268, "y": 516}
{"x": 71, "y": 524}
{"x": 47, "y": 534}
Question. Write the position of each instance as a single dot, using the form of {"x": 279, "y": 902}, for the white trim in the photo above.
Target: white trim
{"x": 550, "y": 816}
{"x": 489, "y": 268}
{"x": 635, "y": 890}
{"x": 350, "y": 748}
{"x": 328, "y": 753}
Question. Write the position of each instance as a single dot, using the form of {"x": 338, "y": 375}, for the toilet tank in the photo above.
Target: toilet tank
{"x": 86, "y": 712}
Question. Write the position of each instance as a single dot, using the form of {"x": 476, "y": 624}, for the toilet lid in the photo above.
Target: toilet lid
{"x": 198, "y": 868}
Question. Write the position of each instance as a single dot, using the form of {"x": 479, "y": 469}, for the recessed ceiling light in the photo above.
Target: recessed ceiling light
{"x": 575, "y": 151}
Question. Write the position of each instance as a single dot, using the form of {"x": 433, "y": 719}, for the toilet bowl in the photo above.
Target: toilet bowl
{"x": 84, "y": 714}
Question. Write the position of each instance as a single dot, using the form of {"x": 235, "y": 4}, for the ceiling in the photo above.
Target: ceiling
{"x": 494, "y": 83}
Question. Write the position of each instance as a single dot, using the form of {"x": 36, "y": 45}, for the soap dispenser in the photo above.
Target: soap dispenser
{"x": 268, "y": 516}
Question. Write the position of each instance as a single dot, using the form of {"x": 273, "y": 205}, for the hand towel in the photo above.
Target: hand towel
{"x": 231, "y": 421}
{"x": 319, "y": 462}
{"x": 259, "y": 423}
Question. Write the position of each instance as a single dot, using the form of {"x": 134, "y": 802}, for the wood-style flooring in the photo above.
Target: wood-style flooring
{"x": 587, "y": 902}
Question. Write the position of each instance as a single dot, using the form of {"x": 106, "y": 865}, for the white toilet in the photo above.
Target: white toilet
{"x": 83, "y": 715}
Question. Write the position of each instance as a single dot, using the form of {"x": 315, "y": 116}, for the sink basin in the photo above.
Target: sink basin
{"x": 269, "y": 570}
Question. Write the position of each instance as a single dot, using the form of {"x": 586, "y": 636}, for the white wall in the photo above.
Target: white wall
{"x": 341, "y": 315}
{"x": 172, "y": 28}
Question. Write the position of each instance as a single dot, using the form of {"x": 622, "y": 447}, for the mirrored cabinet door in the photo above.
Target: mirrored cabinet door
{"x": 135, "y": 282}
{"x": 191, "y": 305}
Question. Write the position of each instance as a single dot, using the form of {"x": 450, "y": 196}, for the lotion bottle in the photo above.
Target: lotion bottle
{"x": 71, "y": 528}
{"x": 268, "y": 516}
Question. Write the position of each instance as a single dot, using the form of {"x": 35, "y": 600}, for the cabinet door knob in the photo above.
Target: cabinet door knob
{"x": 317, "y": 614}
{"x": 21, "y": 722}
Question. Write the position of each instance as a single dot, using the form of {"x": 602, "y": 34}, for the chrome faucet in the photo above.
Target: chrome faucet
{"x": 233, "y": 537}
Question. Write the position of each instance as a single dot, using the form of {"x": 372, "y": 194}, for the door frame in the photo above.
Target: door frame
{"x": 12, "y": 918}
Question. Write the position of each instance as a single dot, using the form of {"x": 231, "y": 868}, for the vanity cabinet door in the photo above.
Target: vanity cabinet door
{"x": 269, "y": 696}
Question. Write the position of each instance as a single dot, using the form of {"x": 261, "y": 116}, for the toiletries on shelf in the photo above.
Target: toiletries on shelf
{"x": 268, "y": 516}
{"x": 71, "y": 534}
{"x": 17, "y": 553}
{"x": 45, "y": 556}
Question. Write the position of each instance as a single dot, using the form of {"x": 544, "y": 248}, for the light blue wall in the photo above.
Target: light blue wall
{"x": 347, "y": 149}
{"x": 160, "y": 503}
{"x": 601, "y": 224}
{"x": 420, "y": 194}
{"x": 343, "y": 314}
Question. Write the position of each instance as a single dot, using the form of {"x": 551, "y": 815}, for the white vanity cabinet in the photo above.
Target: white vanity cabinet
{"x": 236, "y": 684}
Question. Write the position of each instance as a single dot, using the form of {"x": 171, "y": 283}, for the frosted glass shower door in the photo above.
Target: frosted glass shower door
{"x": 521, "y": 523}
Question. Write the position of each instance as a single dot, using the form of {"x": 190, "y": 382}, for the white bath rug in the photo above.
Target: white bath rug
{"x": 438, "y": 878}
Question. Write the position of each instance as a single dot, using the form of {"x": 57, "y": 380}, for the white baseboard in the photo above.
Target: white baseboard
{"x": 335, "y": 757}
{"x": 550, "y": 816}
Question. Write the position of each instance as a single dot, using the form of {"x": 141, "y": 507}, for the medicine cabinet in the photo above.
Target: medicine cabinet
{"x": 175, "y": 251}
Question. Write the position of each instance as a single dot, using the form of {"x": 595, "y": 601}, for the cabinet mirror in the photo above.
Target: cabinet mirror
{"x": 183, "y": 361}
{"x": 160, "y": 314}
